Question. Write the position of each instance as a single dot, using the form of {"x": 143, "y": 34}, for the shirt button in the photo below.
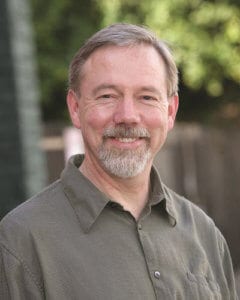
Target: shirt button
{"x": 157, "y": 274}
{"x": 139, "y": 226}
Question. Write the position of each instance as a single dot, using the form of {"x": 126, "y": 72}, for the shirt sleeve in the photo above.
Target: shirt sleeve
{"x": 227, "y": 267}
{"x": 16, "y": 280}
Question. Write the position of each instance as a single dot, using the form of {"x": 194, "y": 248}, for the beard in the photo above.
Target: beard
{"x": 125, "y": 163}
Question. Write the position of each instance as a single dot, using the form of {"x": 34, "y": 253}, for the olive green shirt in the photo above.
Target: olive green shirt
{"x": 72, "y": 242}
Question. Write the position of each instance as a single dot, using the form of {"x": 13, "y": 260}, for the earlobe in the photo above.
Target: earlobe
{"x": 172, "y": 110}
{"x": 73, "y": 108}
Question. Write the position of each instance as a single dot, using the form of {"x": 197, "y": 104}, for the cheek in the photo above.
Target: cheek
{"x": 95, "y": 119}
{"x": 158, "y": 126}
{"x": 157, "y": 120}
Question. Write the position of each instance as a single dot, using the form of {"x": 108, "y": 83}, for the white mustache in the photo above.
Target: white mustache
{"x": 126, "y": 132}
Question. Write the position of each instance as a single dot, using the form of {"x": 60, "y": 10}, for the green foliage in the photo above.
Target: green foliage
{"x": 205, "y": 37}
{"x": 61, "y": 26}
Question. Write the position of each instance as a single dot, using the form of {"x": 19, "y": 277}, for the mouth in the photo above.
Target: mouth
{"x": 126, "y": 140}
{"x": 126, "y": 143}
{"x": 126, "y": 137}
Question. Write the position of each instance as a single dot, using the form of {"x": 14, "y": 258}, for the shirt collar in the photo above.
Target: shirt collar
{"x": 160, "y": 194}
{"x": 88, "y": 202}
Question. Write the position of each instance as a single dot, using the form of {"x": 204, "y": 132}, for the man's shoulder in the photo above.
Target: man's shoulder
{"x": 187, "y": 210}
{"x": 193, "y": 220}
{"x": 24, "y": 228}
{"x": 34, "y": 210}
{"x": 36, "y": 222}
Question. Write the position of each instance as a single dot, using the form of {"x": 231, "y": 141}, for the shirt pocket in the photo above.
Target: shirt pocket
{"x": 203, "y": 287}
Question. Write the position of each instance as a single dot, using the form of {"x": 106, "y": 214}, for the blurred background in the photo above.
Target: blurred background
{"x": 201, "y": 158}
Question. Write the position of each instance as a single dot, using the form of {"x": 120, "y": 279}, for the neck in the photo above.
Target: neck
{"x": 132, "y": 193}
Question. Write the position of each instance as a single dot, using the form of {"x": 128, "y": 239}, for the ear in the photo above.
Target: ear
{"x": 73, "y": 108}
{"x": 172, "y": 110}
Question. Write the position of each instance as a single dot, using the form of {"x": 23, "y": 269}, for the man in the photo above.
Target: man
{"x": 109, "y": 228}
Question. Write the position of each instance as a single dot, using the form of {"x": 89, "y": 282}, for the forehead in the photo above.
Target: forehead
{"x": 137, "y": 54}
{"x": 128, "y": 66}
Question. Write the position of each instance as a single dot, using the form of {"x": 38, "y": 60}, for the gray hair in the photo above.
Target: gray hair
{"x": 121, "y": 34}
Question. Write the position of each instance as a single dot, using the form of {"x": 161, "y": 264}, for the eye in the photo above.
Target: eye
{"x": 109, "y": 95}
{"x": 105, "y": 96}
{"x": 149, "y": 98}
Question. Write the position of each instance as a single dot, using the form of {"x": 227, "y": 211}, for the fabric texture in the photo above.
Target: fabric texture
{"x": 71, "y": 242}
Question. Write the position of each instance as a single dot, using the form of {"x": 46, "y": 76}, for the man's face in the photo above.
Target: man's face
{"x": 123, "y": 110}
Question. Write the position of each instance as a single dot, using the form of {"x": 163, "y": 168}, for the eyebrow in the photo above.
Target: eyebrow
{"x": 104, "y": 86}
{"x": 151, "y": 89}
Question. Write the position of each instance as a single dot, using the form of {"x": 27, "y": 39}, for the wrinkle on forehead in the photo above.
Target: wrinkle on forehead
{"x": 134, "y": 52}
{"x": 134, "y": 57}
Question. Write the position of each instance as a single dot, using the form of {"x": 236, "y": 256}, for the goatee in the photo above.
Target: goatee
{"x": 125, "y": 163}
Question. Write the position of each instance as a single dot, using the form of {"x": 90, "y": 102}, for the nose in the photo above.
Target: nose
{"x": 126, "y": 112}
